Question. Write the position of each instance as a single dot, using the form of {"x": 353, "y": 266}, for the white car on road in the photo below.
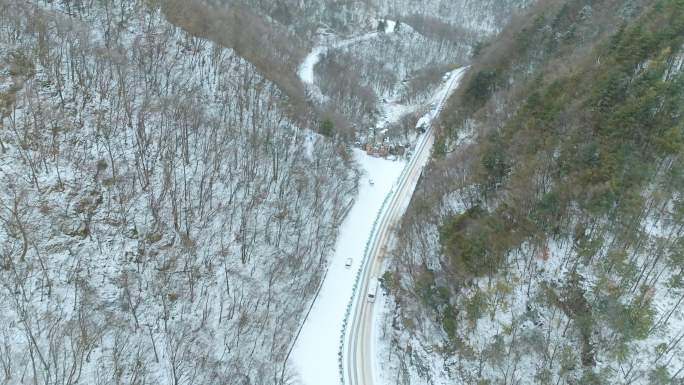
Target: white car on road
{"x": 372, "y": 290}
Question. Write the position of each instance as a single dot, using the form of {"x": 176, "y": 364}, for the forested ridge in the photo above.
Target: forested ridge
{"x": 161, "y": 220}
{"x": 556, "y": 194}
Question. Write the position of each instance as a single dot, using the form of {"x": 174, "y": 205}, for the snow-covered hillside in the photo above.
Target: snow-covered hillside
{"x": 544, "y": 244}
{"x": 161, "y": 220}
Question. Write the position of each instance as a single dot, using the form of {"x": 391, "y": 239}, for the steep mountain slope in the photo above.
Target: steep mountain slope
{"x": 544, "y": 243}
{"x": 162, "y": 220}
{"x": 271, "y": 48}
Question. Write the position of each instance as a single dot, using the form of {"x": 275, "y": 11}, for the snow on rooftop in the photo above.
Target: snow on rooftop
{"x": 423, "y": 121}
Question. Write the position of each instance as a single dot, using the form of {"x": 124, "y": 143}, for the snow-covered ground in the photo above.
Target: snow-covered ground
{"x": 315, "y": 355}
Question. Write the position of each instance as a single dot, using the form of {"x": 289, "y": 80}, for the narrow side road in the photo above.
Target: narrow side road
{"x": 306, "y": 70}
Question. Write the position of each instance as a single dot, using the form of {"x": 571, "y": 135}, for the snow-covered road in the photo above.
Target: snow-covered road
{"x": 316, "y": 353}
{"x": 360, "y": 358}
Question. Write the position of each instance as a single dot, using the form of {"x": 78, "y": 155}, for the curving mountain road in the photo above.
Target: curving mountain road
{"x": 358, "y": 352}
{"x": 355, "y": 358}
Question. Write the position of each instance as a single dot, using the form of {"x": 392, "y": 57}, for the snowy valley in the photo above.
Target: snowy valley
{"x": 362, "y": 192}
